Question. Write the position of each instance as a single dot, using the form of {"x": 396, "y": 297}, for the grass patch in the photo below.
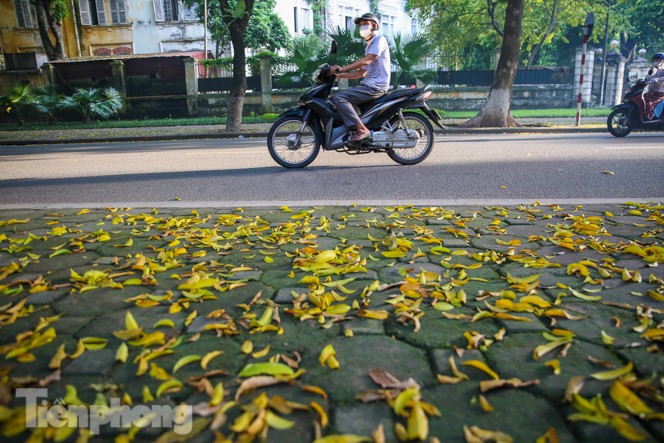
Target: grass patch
{"x": 270, "y": 118}
{"x": 534, "y": 113}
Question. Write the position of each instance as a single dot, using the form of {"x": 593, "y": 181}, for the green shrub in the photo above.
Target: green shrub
{"x": 91, "y": 103}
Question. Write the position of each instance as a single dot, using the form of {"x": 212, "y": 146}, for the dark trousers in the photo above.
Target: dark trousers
{"x": 345, "y": 100}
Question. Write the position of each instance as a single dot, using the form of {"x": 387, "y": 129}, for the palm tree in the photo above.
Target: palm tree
{"x": 350, "y": 45}
{"x": 90, "y": 103}
{"x": 48, "y": 101}
{"x": 306, "y": 55}
{"x": 406, "y": 53}
{"x": 17, "y": 100}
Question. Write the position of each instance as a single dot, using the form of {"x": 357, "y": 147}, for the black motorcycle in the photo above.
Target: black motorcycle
{"x": 295, "y": 139}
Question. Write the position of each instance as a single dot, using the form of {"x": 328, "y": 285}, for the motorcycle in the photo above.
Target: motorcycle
{"x": 407, "y": 137}
{"x": 630, "y": 114}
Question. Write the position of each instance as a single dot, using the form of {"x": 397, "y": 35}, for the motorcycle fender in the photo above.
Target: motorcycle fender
{"x": 295, "y": 112}
{"x": 624, "y": 107}
{"x": 300, "y": 113}
{"x": 433, "y": 115}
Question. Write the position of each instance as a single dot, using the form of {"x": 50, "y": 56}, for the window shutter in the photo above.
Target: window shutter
{"x": 84, "y": 7}
{"x": 158, "y": 10}
{"x": 118, "y": 11}
{"x": 24, "y": 13}
{"x": 170, "y": 10}
{"x": 101, "y": 12}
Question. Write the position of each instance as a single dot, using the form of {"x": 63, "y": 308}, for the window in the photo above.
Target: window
{"x": 413, "y": 26}
{"x": 387, "y": 25}
{"x": 93, "y": 12}
{"x": 24, "y": 13}
{"x": 172, "y": 11}
{"x": 118, "y": 11}
{"x": 307, "y": 19}
{"x": 350, "y": 23}
{"x": 296, "y": 28}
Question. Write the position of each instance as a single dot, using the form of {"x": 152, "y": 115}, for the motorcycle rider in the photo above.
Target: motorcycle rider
{"x": 374, "y": 68}
{"x": 655, "y": 79}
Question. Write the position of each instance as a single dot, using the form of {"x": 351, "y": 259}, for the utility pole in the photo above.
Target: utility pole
{"x": 587, "y": 30}
{"x": 604, "y": 54}
{"x": 205, "y": 30}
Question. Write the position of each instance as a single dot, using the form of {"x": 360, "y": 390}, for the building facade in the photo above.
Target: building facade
{"x": 299, "y": 17}
{"x": 120, "y": 27}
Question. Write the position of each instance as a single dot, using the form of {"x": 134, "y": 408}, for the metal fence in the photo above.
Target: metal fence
{"x": 535, "y": 76}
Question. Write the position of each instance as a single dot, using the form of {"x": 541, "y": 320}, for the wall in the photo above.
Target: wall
{"x": 447, "y": 98}
{"x": 152, "y": 37}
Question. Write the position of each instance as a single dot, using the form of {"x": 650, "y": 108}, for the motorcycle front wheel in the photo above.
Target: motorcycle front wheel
{"x": 416, "y": 154}
{"x": 288, "y": 146}
{"x": 621, "y": 122}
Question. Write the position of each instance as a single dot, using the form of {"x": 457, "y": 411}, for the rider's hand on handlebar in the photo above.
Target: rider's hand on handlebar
{"x": 334, "y": 69}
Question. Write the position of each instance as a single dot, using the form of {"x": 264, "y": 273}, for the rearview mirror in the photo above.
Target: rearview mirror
{"x": 333, "y": 48}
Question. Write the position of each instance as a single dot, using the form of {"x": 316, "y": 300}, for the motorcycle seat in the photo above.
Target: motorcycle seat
{"x": 389, "y": 96}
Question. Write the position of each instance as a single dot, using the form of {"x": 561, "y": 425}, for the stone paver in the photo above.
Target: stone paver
{"x": 138, "y": 320}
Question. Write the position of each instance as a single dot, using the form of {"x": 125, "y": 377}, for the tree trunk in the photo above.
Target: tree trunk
{"x": 47, "y": 26}
{"x": 239, "y": 85}
{"x": 496, "y": 110}
{"x": 237, "y": 27}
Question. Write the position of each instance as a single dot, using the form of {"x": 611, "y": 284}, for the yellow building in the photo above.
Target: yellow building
{"x": 101, "y": 28}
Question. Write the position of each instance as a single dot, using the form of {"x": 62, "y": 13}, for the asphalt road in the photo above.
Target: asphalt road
{"x": 240, "y": 171}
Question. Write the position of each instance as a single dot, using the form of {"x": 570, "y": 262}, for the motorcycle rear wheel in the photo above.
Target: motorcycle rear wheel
{"x": 289, "y": 147}
{"x": 414, "y": 155}
{"x": 621, "y": 122}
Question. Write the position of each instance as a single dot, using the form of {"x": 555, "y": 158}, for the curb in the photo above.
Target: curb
{"x": 207, "y": 136}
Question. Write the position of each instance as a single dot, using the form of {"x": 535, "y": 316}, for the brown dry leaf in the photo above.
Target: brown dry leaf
{"x": 387, "y": 381}
{"x": 259, "y": 381}
{"x": 478, "y": 435}
{"x": 489, "y": 385}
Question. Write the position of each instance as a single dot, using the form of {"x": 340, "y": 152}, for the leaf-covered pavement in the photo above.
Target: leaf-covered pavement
{"x": 532, "y": 323}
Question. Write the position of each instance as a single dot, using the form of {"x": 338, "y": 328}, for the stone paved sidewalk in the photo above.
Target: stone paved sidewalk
{"x": 530, "y": 323}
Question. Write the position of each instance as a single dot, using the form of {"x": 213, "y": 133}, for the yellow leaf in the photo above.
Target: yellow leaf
{"x": 485, "y": 405}
{"x": 555, "y": 365}
{"x": 418, "y": 423}
{"x": 327, "y": 355}
{"x": 207, "y": 358}
{"x": 321, "y": 412}
{"x": 247, "y": 347}
{"x": 377, "y": 315}
{"x": 628, "y": 400}
{"x": 130, "y": 321}
{"x": 482, "y": 367}
{"x": 60, "y": 355}
{"x": 607, "y": 339}
{"x": 185, "y": 361}
{"x": 262, "y": 353}
{"x": 165, "y": 322}
{"x": 169, "y": 385}
{"x": 217, "y": 395}
{"x": 94, "y": 343}
{"x": 190, "y": 318}
{"x": 397, "y": 253}
{"x": 626, "y": 430}
{"x": 613, "y": 374}
{"x": 71, "y": 396}
{"x": 122, "y": 353}
{"x": 147, "y": 395}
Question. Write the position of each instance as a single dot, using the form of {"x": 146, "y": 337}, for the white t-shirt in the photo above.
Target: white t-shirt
{"x": 378, "y": 71}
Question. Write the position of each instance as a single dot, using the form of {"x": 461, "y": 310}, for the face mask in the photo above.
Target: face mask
{"x": 365, "y": 31}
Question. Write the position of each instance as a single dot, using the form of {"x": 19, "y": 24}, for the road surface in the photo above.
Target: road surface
{"x": 509, "y": 167}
